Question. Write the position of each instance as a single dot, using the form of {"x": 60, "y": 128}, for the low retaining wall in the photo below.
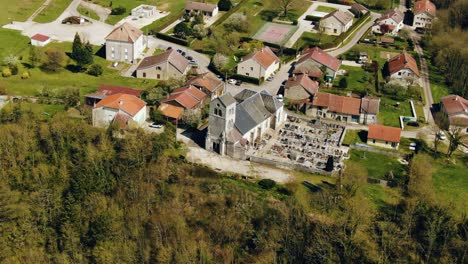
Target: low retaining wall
{"x": 280, "y": 164}
{"x": 381, "y": 151}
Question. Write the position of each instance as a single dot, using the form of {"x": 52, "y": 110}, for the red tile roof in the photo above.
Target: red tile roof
{"x": 206, "y": 80}
{"x": 125, "y": 102}
{"x": 171, "y": 111}
{"x": 40, "y": 37}
{"x": 384, "y": 133}
{"x": 188, "y": 96}
{"x": 265, "y": 57}
{"x": 403, "y": 61}
{"x": 454, "y": 104}
{"x": 321, "y": 57}
{"x": 338, "y": 104}
{"x": 303, "y": 80}
{"x": 106, "y": 90}
{"x": 125, "y": 32}
{"x": 424, "y": 6}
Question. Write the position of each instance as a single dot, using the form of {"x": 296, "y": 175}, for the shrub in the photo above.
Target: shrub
{"x": 267, "y": 184}
{"x": 224, "y": 5}
{"x": 344, "y": 82}
{"x": 120, "y": 10}
{"x": 6, "y": 72}
{"x": 25, "y": 75}
{"x": 283, "y": 190}
{"x": 13, "y": 69}
{"x": 95, "y": 70}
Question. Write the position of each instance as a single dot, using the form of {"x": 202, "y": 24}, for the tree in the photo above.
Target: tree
{"x": 54, "y": 60}
{"x": 71, "y": 97}
{"x": 191, "y": 117}
{"x": 198, "y": 19}
{"x": 237, "y": 22}
{"x": 285, "y": 5}
{"x": 200, "y": 31}
{"x": 420, "y": 177}
{"x": 118, "y": 11}
{"x": 344, "y": 82}
{"x": 82, "y": 53}
{"x": 267, "y": 184}
{"x": 455, "y": 139}
{"x": 182, "y": 30}
{"x": 10, "y": 60}
{"x": 95, "y": 70}
{"x": 77, "y": 47}
{"x": 34, "y": 56}
{"x": 220, "y": 61}
{"x": 224, "y": 5}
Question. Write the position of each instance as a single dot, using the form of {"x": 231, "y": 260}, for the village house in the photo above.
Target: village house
{"x": 300, "y": 89}
{"x": 167, "y": 65}
{"x": 107, "y": 90}
{"x": 369, "y": 109}
{"x": 125, "y": 43}
{"x": 383, "y": 136}
{"x": 144, "y": 11}
{"x": 314, "y": 59}
{"x": 389, "y": 23}
{"x": 124, "y": 109}
{"x": 455, "y": 109}
{"x": 358, "y": 10}
{"x": 40, "y": 40}
{"x": 208, "y": 83}
{"x": 236, "y": 123}
{"x": 403, "y": 66}
{"x": 187, "y": 97}
{"x": 205, "y": 8}
{"x": 424, "y": 13}
{"x": 259, "y": 64}
{"x": 336, "y": 107}
{"x": 336, "y": 22}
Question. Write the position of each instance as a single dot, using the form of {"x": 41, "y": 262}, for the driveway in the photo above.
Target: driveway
{"x": 425, "y": 83}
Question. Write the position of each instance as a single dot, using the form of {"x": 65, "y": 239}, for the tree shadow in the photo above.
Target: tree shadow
{"x": 74, "y": 68}
{"x": 268, "y": 15}
{"x": 27, "y": 65}
{"x": 362, "y": 135}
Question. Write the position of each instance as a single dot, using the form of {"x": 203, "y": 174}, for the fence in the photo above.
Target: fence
{"x": 280, "y": 164}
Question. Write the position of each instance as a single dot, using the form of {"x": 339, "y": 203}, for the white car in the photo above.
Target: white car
{"x": 280, "y": 97}
{"x": 155, "y": 125}
{"x": 232, "y": 81}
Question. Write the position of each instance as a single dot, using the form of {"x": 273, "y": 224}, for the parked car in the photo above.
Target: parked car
{"x": 442, "y": 135}
{"x": 155, "y": 125}
{"x": 179, "y": 50}
{"x": 280, "y": 97}
{"x": 270, "y": 78}
{"x": 183, "y": 53}
{"x": 232, "y": 81}
{"x": 189, "y": 58}
{"x": 238, "y": 82}
{"x": 413, "y": 123}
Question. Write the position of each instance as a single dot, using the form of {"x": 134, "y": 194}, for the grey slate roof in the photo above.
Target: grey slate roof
{"x": 271, "y": 102}
{"x": 250, "y": 113}
{"x": 227, "y": 99}
{"x": 244, "y": 94}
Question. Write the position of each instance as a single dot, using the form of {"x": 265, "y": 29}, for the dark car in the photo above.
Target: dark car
{"x": 238, "y": 82}
{"x": 190, "y": 58}
{"x": 413, "y": 123}
{"x": 183, "y": 53}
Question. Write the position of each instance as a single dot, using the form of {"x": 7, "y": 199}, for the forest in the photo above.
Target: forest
{"x": 447, "y": 44}
{"x": 72, "y": 193}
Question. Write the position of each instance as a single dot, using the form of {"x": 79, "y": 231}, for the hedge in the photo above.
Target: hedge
{"x": 247, "y": 79}
{"x": 172, "y": 39}
{"x": 170, "y": 19}
{"x": 228, "y": 13}
{"x": 312, "y": 18}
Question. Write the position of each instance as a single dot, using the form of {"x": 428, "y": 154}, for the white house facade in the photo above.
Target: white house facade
{"x": 260, "y": 64}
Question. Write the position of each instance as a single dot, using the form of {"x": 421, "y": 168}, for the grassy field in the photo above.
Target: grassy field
{"x": 389, "y": 113}
{"x": 376, "y": 164}
{"x": 310, "y": 39}
{"x": 451, "y": 182}
{"x": 382, "y": 196}
{"x": 88, "y": 12}
{"x": 355, "y": 136}
{"x": 18, "y": 10}
{"x": 358, "y": 80}
{"x": 438, "y": 87}
{"x": 325, "y": 9}
{"x": 52, "y": 11}
{"x": 66, "y": 78}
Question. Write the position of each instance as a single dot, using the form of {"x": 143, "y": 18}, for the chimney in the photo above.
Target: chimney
{"x": 120, "y": 102}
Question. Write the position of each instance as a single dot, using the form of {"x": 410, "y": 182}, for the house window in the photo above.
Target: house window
{"x": 386, "y": 142}
{"x": 113, "y": 49}
{"x": 251, "y": 68}
{"x": 158, "y": 76}
{"x": 158, "y": 68}
{"x": 113, "y": 55}
{"x": 335, "y": 30}
{"x": 144, "y": 75}
{"x": 126, "y": 50}
{"x": 373, "y": 141}
{"x": 399, "y": 73}
{"x": 247, "y": 73}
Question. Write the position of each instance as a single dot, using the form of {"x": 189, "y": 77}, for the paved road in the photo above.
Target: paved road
{"x": 425, "y": 83}
{"x": 356, "y": 37}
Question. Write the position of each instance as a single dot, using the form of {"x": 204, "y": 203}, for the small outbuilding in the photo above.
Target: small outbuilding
{"x": 384, "y": 136}
{"x": 40, "y": 40}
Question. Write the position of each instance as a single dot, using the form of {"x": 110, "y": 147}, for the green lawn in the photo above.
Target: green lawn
{"x": 355, "y": 136}
{"x": 376, "y": 164}
{"x": 88, "y": 12}
{"x": 359, "y": 80}
{"x": 382, "y": 196}
{"x": 310, "y": 39}
{"x": 18, "y": 10}
{"x": 66, "y": 78}
{"x": 389, "y": 113}
{"x": 52, "y": 11}
{"x": 325, "y": 9}
{"x": 451, "y": 183}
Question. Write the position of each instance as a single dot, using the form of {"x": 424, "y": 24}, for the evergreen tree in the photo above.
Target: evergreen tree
{"x": 77, "y": 47}
{"x": 182, "y": 30}
{"x": 82, "y": 53}
{"x": 34, "y": 56}
{"x": 224, "y": 5}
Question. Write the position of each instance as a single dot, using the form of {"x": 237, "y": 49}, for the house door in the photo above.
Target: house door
{"x": 158, "y": 76}
{"x": 216, "y": 147}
